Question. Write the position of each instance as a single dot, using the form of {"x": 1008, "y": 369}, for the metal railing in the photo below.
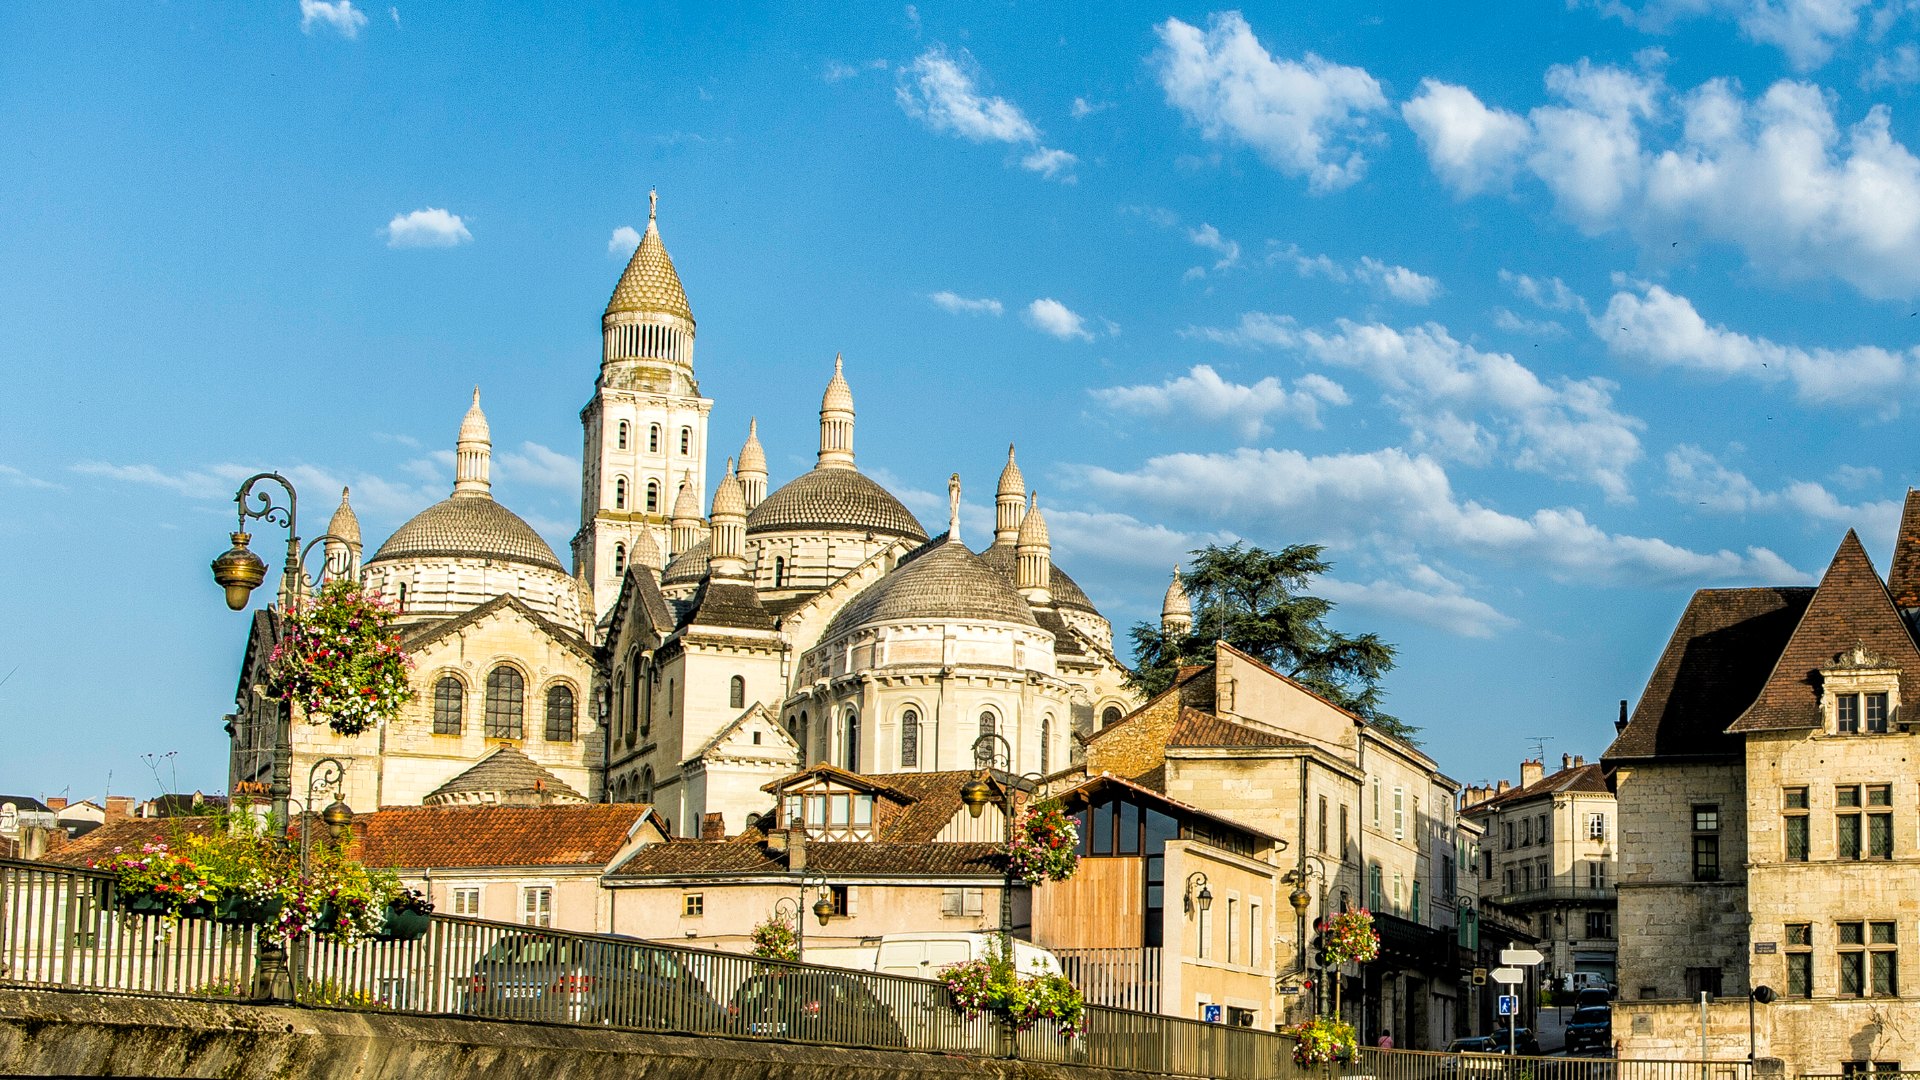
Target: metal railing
{"x": 1430, "y": 1065}
{"x": 1119, "y": 978}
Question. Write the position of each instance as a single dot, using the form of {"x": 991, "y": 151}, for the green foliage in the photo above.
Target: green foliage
{"x": 774, "y": 939}
{"x": 995, "y": 986}
{"x": 1253, "y": 599}
{"x": 329, "y": 994}
{"x": 1323, "y": 1040}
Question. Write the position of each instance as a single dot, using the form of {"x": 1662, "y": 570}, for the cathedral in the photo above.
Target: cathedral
{"x": 717, "y": 633}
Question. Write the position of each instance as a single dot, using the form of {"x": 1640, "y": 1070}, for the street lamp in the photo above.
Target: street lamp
{"x": 1204, "y": 897}
{"x": 978, "y": 792}
{"x": 1764, "y": 995}
{"x": 795, "y": 907}
{"x": 337, "y": 817}
{"x": 1301, "y": 899}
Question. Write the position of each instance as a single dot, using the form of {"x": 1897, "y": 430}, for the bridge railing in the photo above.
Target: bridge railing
{"x": 1379, "y": 1064}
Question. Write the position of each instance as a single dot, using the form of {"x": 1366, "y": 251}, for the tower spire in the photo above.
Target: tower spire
{"x": 753, "y": 466}
{"x": 473, "y": 454}
{"x": 1033, "y": 556}
{"x": 1176, "y": 611}
{"x": 836, "y": 421}
{"x": 1009, "y": 502}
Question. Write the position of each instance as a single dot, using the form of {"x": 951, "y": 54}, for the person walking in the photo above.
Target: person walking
{"x": 1385, "y": 1041}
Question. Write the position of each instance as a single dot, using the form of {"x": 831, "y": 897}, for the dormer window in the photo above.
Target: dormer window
{"x": 1859, "y": 694}
{"x": 832, "y": 815}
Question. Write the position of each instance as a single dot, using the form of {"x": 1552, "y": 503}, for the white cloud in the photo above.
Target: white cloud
{"x": 1123, "y": 540}
{"x": 1472, "y": 147}
{"x": 1256, "y": 329}
{"x": 1082, "y": 108}
{"x": 20, "y": 478}
{"x": 1348, "y": 497}
{"x": 539, "y": 465}
{"x": 1659, "y": 327}
{"x": 1305, "y": 118}
{"x": 1397, "y": 282}
{"x": 1468, "y": 405}
{"x": 1856, "y": 476}
{"x": 1204, "y": 395}
{"x": 1208, "y": 237}
{"x": 960, "y": 305}
{"x": 1514, "y": 324}
{"x": 1898, "y": 68}
{"x": 835, "y": 71}
{"x": 1777, "y": 177}
{"x": 623, "y": 241}
{"x": 1549, "y": 293}
{"x": 394, "y": 13}
{"x": 1434, "y": 600}
{"x": 1806, "y": 31}
{"x": 1050, "y": 316}
{"x": 339, "y": 15}
{"x": 943, "y": 92}
{"x": 1696, "y": 478}
{"x": 427, "y": 228}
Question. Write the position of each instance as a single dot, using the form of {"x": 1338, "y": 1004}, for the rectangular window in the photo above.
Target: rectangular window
{"x": 1879, "y": 836}
{"x": 1323, "y": 824}
{"x": 466, "y": 902}
{"x": 1846, "y": 714}
{"x": 1399, "y": 882}
{"x": 1413, "y": 905}
{"x": 1233, "y": 929}
{"x": 1526, "y": 832}
{"x": 1507, "y": 830}
{"x": 1846, "y": 822}
{"x": 1345, "y": 840}
{"x": 959, "y": 903}
{"x": 1799, "y": 946}
{"x": 1256, "y": 934}
{"x": 1706, "y": 858}
{"x": 1876, "y": 710}
{"x": 1794, "y": 826}
{"x": 842, "y": 896}
{"x": 1597, "y": 874}
{"x": 1596, "y": 826}
{"x": 692, "y": 904}
{"x": 1374, "y": 887}
{"x": 1399, "y": 813}
{"x": 1376, "y": 802}
{"x": 1204, "y": 926}
{"x": 1600, "y": 924}
{"x": 1509, "y": 881}
{"x": 1701, "y": 980}
{"x": 536, "y": 906}
{"x": 1706, "y": 817}
{"x": 1546, "y": 829}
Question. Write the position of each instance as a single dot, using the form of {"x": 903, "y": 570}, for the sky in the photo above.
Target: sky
{"x": 1538, "y": 316}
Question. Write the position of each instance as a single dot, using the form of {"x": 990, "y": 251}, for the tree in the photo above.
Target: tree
{"x": 1253, "y": 599}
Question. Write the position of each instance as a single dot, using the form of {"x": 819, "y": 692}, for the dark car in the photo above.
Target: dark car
{"x": 1592, "y": 995}
{"x": 590, "y": 981}
{"x": 1590, "y": 1026}
{"x": 813, "y": 1006}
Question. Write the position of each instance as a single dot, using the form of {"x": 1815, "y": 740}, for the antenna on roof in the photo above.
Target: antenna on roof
{"x": 1540, "y": 747}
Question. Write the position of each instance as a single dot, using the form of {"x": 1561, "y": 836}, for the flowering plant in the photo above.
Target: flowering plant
{"x": 1042, "y": 848}
{"x": 338, "y": 657}
{"x": 1351, "y": 936}
{"x": 1323, "y": 1040}
{"x": 992, "y": 985}
{"x": 774, "y": 939}
{"x": 158, "y": 877}
{"x": 350, "y": 899}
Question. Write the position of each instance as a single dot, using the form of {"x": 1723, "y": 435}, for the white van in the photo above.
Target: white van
{"x": 922, "y": 955}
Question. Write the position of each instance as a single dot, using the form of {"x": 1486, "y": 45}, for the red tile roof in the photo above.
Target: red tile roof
{"x": 747, "y": 855}
{"x": 1199, "y": 729}
{"x": 1903, "y": 577}
{"x": 1588, "y": 778}
{"x": 418, "y": 837}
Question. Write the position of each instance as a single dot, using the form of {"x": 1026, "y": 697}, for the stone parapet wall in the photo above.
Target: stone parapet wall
{"x": 1806, "y": 1037}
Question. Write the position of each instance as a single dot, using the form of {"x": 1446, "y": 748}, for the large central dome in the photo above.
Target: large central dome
{"x": 467, "y": 527}
{"x": 940, "y": 583}
{"x": 834, "y": 500}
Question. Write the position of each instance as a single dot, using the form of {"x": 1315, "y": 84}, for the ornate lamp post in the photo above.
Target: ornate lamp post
{"x": 978, "y": 792}
{"x": 796, "y": 907}
{"x": 1301, "y": 898}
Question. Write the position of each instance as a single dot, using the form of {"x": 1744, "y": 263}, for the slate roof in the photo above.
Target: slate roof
{"x": 418, "y": 837}
{"x": 1199, "y": 729}
{"x": 506, "y": 770}
{"x": 468, "y": 526}
{"x": 1850, "y": 607}
{"x": 839, "y": 500}
{"x": 943, "y": 581}
{"x": 1066, "y": 592}
{"x": 689, "y": 565}
{"x": 26, "y": 802}
{"x": 1903, "y": 576}
{"x": 1712, "y": 668}
{"x": 1591, "y": 777}
{"x": 729, "y": 605}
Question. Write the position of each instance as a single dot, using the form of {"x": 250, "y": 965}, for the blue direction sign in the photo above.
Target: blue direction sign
{"x": 1509, "y": 1004}
{"x": 1213, "y": 1014}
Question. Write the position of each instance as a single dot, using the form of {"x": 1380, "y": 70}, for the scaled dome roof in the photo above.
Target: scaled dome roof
{"x": 838, "y": 500}
{"x": 688, "y": 566}
{"x": 1066, "y": 592}
{"x": 942, "y": 582}
{"x": 468, "y": 527}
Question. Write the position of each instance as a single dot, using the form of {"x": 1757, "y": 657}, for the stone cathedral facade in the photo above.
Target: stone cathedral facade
{"x": 717, "y": 631}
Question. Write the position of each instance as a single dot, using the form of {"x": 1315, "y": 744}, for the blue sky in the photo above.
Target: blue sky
{"x": 1539, "y": 316}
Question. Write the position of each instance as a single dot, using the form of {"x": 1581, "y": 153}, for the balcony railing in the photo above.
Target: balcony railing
{"x": 1119, "y": 978}
{"x": 1555, "y": 894}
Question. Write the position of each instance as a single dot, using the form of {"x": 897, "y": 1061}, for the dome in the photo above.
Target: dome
{"x": 1177, "y": 602}
{"x": 729, "y": 499}
{"x": 650, "y": 283}
{"x": 1033, "y": 528}
{"x": 946, "y": 582}
{"x": 835, "y": 500}
{"x": 839, "y": 396}
{"x": 466, "y": 527}
{"x": 1012, "y": 484}
{"x": 753, "y": 456}
{"x": 345, "y": 524}
{"x": 689, "y": 566}
{"x": 1066, "y": 592}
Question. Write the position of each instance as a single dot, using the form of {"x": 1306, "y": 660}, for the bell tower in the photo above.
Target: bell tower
{"x": 646, "y": 427}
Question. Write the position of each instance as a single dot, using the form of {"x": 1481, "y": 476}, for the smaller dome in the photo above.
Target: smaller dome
{"x": 468, "y": 528}
{"x": 1177, "y": 601}
{"x": 1033, "y": 528}
{"x": 839, "y": 396}
{"x": 753, "y": 456}
{"x": 686, "y": 505}
{"x": 1066, "y": 591}
{"x": 834, "y": 500}
{"x": 688, "y": 567}
{"x": 473, "y": 426}
{"x": 645, "y": 552}
{"x": 729, "y": 499}
{"x": 345, "y": 524}
{"x": 1011, "y": 482}
{"x": 943, "y": 582}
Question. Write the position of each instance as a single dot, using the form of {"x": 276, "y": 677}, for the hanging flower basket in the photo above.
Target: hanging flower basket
{"x": 1324, "y": 1040}
{"x": 774, "y": 939}
{"x": 409, "y": 913}
{"x": 1044, "y": 839}
{"x": 1351, "y": 936}
{"x": 993, "y": 986}
{"x": 157, "y": 880}
{"x": 339, "y": 659}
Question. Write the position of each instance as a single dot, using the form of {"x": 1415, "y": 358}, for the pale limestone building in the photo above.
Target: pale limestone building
{"x": 1766, "y": 785}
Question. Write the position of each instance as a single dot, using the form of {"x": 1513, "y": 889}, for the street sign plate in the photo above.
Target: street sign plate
{"x": 1289, "y": 990}
{"x": 1521, "y": 957}
{"x": 1508, "y": 1004}
{"x": 1213, "y": 1014}
{"x": 1507, "y": 975}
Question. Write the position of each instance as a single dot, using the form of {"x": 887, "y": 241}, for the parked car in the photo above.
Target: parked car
{"x": 590, "y": 981}
{"x": 813, "y": 1006}
{"x": 1591, "y": 1025}
{"x": 1592, "y": 995}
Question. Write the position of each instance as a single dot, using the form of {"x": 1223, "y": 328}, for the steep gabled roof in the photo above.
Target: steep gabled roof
{"x": 1591, "y": 778}
{"x": 728, "y": 605}
{"x": 419, "y": 637}
{"x": 1903, "y": 577}
{"x": 1850, "y": 607}
{"x": 1204, "y": 730}
{"x": 1712, "y": 668}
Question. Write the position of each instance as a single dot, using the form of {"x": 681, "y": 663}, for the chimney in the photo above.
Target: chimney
{"x": 1503, "y": 788}
{"x": 119, "y": 807}
{"x": 776, "y": 841}
{"x": 56, "y": 803}
{"x": 1566, "y": 762}
{"x": 1579, "y": 761}
{"x": 796, "y": 850}
{"x": 1530, "y": 772}
{"x": 1621, "y": 724}
{"x": 713, "y": 827}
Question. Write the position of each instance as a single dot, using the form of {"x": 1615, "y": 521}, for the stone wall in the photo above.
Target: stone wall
{"x": 46, "y": 1033}
{"x": 1816, "y": 1037}
{"x": 1668, "y": 922}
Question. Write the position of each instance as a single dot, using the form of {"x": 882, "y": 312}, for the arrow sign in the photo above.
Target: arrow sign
{"x": 1521, "y": 957}
{"x": 1507, "y": 975}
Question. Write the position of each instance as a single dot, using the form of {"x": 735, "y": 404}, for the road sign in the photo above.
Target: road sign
{"x": 1213, "y": 1014}
{"x": 1509, "y": 1004}
{"x": 1507, "y": 975}
{"x": 1521, "y": 957}
{"x": 1479, "y": 976}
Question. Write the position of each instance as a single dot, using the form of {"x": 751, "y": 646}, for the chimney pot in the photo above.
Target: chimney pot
{"x": 1621, "y": 724}
{"x": 1579, "y": 760}
{"x": 56, "y": 803}
{"x": 1530, "y": 772}
{"x": 119, "y": 806}
{"x": 1502, "y": 789}
{"x": 1566, "y": 761}
{"x": 713, "y": 826}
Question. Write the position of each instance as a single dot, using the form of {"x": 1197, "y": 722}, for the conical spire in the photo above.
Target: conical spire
{"x": 1010, "y": 502}
{"x": 836, "y": 421}
{"x": 1033, "y": 556}
{"x": 686, "y": 516}
{"x": 342, "y": 555}
{"x": 345, "y": 524}
{"x": 650, "y": 284}
{"x": 1176, "y": 611}
{"x": 728, "y": 499}
{"x": 753, "y": 466}
{"x": 646, "y": 553}
{"x": 728, "y": 557}
{"x": 473, "y": 454}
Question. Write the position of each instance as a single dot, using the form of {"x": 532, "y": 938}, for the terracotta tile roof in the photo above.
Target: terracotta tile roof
{"x": 1850, "y": 607}
{"x": 1588, "y": 778}
{"x": 1903, "y": 577}
{"x": 1712, "y": 668}
{"x": 126, "y": 833}
{"x": 1199, "y": 729}
{"x": 746, "y": 855}
{"x": 417, "y": 837}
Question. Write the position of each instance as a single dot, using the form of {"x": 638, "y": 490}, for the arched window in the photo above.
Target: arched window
{"x": 1110, "y": 717}
{"x": 560, "y": 714}
{"x": 987, "y": 723}
{"x": 622, "y": 442}
{"x": 653, "y": 496}
{"x": 646, "y": 784}
{"x": 686, "y": 440}
{"x": 653, "y": 439}
{"x": 620, "y": 494}
{"x": 737, "y": 693}
{"x": 850, "y": 741}
{"x": 1046, "y": 737}
{"x": 801, "y": 737}
{"x": 619, "y": 558}
{"x": 506, "y": 703}
{"x": 449, "y": 700}
{"x": 779, "y": 571}
{"x": 910, "y": 739}
{"x": 401, "y": 607}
